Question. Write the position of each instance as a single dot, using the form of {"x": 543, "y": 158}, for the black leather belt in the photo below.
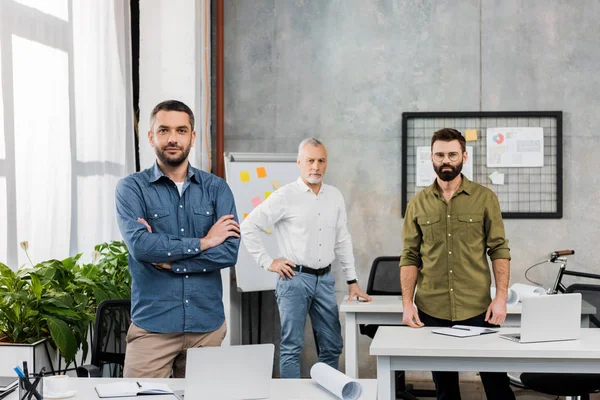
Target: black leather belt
{"x": 312, "y": 271}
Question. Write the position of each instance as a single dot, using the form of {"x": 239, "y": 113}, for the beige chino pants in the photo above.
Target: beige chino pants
{"x": 156, "y": 355}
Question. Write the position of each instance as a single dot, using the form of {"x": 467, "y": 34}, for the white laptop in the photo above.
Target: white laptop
{"x": 549, "y": 318}
{"x": 229, "y": 372}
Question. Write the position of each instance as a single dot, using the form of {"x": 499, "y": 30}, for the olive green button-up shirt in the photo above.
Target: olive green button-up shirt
{"x": 448, "y": 241}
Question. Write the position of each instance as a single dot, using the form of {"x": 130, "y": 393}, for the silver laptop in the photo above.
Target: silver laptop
{"x": 549, "y": 318}
{"x": 229, "y": 372}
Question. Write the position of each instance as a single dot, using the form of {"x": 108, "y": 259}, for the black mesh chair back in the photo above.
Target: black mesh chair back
{"x": 591, "y": 294}
{"x": 570, "y": 384}
{"x": 108, "y": 343}
{"x": 384, "y": 278}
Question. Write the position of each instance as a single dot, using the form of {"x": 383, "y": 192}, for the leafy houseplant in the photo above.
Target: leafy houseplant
{"x": 57, "y": 299}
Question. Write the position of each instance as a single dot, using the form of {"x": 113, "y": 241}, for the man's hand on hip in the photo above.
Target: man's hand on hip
{"x": 496, "y": 312}
{"x": 354, "y": 292}
{"x": 283, "y": 268}
{"x": 410, "y": 316}
{"x": 224, "y": 228}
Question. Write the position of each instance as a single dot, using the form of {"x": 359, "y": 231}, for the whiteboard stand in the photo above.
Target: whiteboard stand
{"x": 252, "y": 177}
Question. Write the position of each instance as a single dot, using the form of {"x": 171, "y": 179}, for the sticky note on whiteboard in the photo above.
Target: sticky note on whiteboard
{"x": 471, "y": 135}
{"x": 267, "y": 194}
{"x": 244, "y": 176}
{"x": 256, "y": 201}
{"x": 261, "y": 172}
{"x": 276, "y": 185}
{"x": 497, "y": 178}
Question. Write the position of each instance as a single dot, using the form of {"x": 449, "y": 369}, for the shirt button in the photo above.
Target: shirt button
{"x": 181, "y": 206}
{"x": 452, "y": 290}
{"x": 448, "y": 216}
{"x": 449, "y": 252}
{"x": 186, "y": 277}
{"x": 155, "y": 215}
{"x": 207, "y": 212}
{"x": 168, "y": 254}
{"x": 319, "y": 245}
{"x": 184, "y": 270}
{"x": 427, "y": 221}
{"x": 450, "y": 271}
{"x": 470, "y": 220}
{"x": 204, "y": 270}
{"x": 187, "y": 301}
{"x": 177, "y": 269}
{"x": 449, "y": 234}
{"x": 181, "y": 229}
{"x": 196, "y": 249}
{"x": 189, "y": 250}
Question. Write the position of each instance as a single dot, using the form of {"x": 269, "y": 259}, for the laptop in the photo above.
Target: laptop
{"x": 229, "y": 372}
{"x": 549, "y": 318}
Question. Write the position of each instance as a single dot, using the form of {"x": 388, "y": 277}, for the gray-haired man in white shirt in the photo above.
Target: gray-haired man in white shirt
{"x": 309, "y": 219}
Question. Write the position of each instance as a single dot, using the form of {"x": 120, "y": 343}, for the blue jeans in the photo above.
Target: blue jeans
{"x": 296, "y": 297}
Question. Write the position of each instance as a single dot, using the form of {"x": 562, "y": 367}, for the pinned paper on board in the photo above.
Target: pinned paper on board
{"x": 256, "y": 201}
{"x": 471, "y": 135}
{"x": 245, "y": 176}
{"x": 497, "y": 178}
{"x": 267, "y": 194}
{"x": 261, "y": 172}
{"x": 276, "y": 185}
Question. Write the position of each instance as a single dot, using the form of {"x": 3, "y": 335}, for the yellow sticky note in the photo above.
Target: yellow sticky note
{"x": 245, "y": 176}
{"x": 471, "y": 135}
{"x": 276, "y": 185}
{"x": 269, "y": 230}
{"x": 267, "y": 194}
{"x": 245, "y": 215}
{"x": 261, "y": 172}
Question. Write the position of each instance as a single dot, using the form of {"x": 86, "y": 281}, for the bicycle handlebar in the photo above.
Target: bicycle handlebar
{"x": 559, "y": 253}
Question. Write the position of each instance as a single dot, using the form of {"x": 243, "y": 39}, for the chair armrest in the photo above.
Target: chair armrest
{"x": 89, "y": 371}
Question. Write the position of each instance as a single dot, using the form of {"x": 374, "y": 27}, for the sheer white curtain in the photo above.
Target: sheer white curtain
{"x": 66, "y": 125}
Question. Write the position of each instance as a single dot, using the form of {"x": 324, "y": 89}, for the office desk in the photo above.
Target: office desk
{"x": 400, "y": 348}
{"x": 281, "y": 389}
{"x": 387, "y": 310}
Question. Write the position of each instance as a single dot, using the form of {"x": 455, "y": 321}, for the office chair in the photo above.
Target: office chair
{"x": 384, "y": 280}
{"x": 570, "y": 384}
{"x": 108, "y": 339}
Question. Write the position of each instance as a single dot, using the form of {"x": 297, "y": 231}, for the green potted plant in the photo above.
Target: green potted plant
{"x": 56, "y": 300}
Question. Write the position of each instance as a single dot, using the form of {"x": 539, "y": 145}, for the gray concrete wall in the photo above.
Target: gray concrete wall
{"x": 344, "y": 71}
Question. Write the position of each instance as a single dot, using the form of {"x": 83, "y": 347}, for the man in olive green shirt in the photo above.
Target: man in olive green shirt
{"x": 448, "y": 228}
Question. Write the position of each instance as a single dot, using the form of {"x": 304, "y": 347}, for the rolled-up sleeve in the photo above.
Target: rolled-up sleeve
{"x": 411, "y": 238}
{"x": 494, "y": 228}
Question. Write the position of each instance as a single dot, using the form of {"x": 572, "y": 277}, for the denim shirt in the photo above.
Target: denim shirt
{"x": 189, "y": 297}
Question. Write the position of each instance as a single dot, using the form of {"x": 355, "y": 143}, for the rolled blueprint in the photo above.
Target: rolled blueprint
{"x": 332, "y": 380}
{"x": 523, "y": 290}
{"x": 513, "y": 297}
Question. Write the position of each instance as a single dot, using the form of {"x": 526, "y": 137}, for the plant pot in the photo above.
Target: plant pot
{"x": 39, "y": 354}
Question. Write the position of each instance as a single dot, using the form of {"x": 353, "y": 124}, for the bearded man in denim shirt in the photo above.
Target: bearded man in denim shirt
{"x": 181, "y": 228}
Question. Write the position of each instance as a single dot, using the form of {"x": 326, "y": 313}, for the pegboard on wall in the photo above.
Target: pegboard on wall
{"x": 526, "y": 192}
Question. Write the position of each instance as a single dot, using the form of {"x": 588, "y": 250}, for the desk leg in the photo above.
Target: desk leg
{"x": 386, "y": 384}
{"x": 351, "y": 346}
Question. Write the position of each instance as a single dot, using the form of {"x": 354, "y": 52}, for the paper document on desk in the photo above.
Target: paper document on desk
{"x": 464, "y": 331}
{"x": 130, "y": 389}
{"x": 339, "y": 384}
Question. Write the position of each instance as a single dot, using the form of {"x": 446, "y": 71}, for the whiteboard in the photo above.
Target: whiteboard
{"x": 252, "y": 177}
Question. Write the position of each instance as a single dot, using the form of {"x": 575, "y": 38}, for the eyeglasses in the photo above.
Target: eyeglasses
{"x": 453, "y": 156}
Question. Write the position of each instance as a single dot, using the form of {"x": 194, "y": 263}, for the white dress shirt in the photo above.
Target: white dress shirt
{"x": 310, "y": 229}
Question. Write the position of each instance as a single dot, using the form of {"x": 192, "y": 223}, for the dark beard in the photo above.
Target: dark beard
{"x": 447, "y": 176}
{"x": 173, "y": 162}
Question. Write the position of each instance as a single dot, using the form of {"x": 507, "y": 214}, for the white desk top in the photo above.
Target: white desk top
{"x": 281, "y": 389}
{"x": 405, "y": 341}
{"x": 393, "y": 304}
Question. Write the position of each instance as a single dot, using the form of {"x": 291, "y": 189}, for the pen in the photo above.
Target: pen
{"x": 19, "y": 372}
{"x": 460, "y": 329}
{"x": 25, "y": 371}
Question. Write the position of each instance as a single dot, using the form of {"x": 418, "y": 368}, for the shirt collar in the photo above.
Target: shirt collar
{"x": 157, "y": 173}
{"x": 465, "y": 186}
{"x": 305, "y": 188}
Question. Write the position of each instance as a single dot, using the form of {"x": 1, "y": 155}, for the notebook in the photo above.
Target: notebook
{"x": 7, "y": 382}
{"x": 549, "y": 318}
{"x": 229, "y": 372}
{"x": 464, "y": 331}
{"x": 130, "y": 389}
